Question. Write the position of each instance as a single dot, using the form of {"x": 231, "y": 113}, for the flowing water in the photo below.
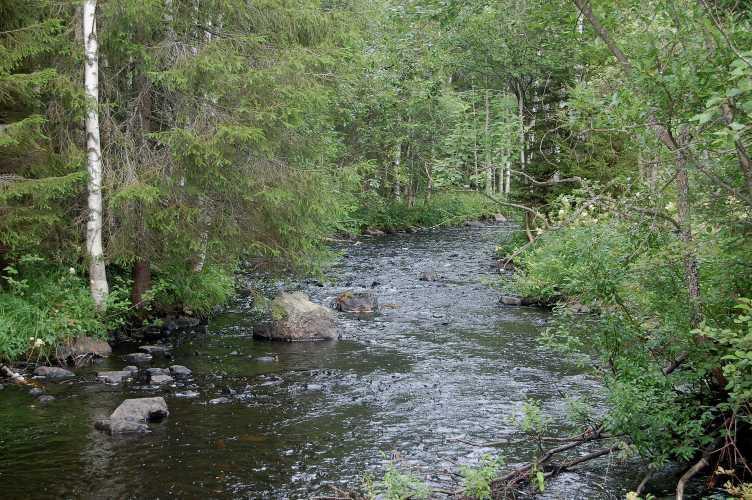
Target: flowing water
{"x": 443, "y": 367}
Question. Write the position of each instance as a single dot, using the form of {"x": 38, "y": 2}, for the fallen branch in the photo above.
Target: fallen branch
{"x": 13, "y": 375}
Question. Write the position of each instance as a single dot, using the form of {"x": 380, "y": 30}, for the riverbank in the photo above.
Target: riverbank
{"x": 44, "y": 304}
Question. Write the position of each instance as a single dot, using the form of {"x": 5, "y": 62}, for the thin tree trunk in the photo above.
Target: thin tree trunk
{"x": 475, "y": 145}
{"x": 397, "y": 188}
{"x": 523, "y": 134}
{"x": 97, "y": 271}
{"x": 487, "y": 145}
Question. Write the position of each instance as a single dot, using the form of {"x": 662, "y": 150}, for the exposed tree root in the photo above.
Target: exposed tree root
{"x": 691, "y": 472}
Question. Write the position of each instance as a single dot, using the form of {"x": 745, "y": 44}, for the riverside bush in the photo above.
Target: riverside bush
{"x": 631, "y": 277}
{"x": 442, "y": 209}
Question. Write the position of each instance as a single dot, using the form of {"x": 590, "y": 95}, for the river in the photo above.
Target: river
{"x": 443, "y": 365}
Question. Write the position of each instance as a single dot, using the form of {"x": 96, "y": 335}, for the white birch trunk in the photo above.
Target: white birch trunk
{"x": 97, "y": 272}
{"x": 487, "y": 131}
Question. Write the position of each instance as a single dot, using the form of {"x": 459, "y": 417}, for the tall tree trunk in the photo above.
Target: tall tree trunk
{"x": 474, "y": 183}
{"x": 487, "y": 145}
{"x": 397, "y": 188}
{"x": 523, "y": 133}
{"x": 97, "y": 271}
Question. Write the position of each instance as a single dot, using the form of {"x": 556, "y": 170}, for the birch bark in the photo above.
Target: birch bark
{"x": 97, "y": 271}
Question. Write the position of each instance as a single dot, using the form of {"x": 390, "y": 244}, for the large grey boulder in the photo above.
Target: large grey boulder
{"x": 357, "y": 302}
{"x": 133, "y": 416}
{"x": 296, "y": 318}
{"x": 53, "y": 372}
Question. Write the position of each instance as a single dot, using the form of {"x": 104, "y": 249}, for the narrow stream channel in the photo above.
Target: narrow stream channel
{"x": 443, "y": 364}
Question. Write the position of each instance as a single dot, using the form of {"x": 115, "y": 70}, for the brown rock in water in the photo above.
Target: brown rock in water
{"x": 53, "y": 372}
{"x": 296, "y": 318}
{"x": 357, "y": 302}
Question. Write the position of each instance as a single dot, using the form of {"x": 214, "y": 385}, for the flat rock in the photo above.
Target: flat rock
{"x": 267, "y": 359}
{"x": 187, "y": 394}
{"x": 357, "y": 302}
{"x": 139, "y": 358}
{"x": 161, "y": 379}
{"x": 180, "y": 371}
{"x": 53, "y": 372}
{"x": 114, "y": 377}
{"x": 155, "y": 350}
{"x": 158, "y": 371}
{"x": 220, "y": 401}
{"x": 509, "y": 300}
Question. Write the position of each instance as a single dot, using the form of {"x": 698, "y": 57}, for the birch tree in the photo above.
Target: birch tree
{"x": 97, "y": 271}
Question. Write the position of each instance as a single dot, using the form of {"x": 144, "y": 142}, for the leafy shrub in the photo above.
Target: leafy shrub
{"x": 180, "y": 288}
{"x": 443, "y": 209}
{"x": 477, "y": 481}
{"x": 43, "y": 304}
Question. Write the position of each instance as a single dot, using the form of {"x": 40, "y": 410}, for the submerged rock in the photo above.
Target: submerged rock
{"x": 219, "y": 401}
{"x": 428, "y": 276}
{"x": 357, "y": 302}
{"x": 139, "y": 358}
{"x": 53, "y": 372}
{"x": 510, "y": 300}
{"x": 36, "y": 392}
{"x": 161, "y": 379}
{"x": 267, "y": 359}
{"x": 180, "y": 371}
{"x": 157, "y": 371}
{"x": 133, "y": 415}
{"x": 187, "y": 394}
{"x": 114, "y": 377}
{"x": 296, "y": 318}
{"x": 155, "y": 350}
{"x": 46, "y": 399}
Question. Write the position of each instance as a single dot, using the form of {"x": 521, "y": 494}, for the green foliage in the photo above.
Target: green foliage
{"x": 42, "y": 305}
{"x": 400, "y": 485}
{"x": 477, "y": 481}
{"x": 737, "y": 357}
{"x": 446, "y": 209}
{"x": 194, "y": 292}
